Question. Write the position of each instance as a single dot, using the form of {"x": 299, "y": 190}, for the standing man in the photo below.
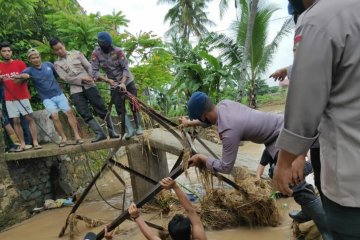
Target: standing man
{"x": 75, "y": 69}
{"x": 324, "y": 101}
{"x": 54, "y": 100}
{"x": 112, "y": 59}
{"x": 235, "y": 123}
{"x": 17, "y": 96}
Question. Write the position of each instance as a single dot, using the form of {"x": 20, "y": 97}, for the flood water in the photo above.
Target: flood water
{"x": 47, "y": 225}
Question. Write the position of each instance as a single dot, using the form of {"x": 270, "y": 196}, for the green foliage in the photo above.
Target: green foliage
{"x": 262, "y": 49}
{"x": 187, "y": 17}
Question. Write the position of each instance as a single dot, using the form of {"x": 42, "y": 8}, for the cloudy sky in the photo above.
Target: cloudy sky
{"x": 147, "y": 15}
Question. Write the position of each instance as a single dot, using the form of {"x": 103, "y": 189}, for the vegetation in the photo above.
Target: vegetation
{"x": 166, "y": 71}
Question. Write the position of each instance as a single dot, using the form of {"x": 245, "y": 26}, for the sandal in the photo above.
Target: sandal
{"x": 63, "y": 144}
{"x": 37, "y": 147}
{"x": 16, "y": 148}
{"x": 79, "y": 141}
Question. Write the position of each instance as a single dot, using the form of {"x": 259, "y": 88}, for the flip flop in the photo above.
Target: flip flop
{"x": 63, "y": 144}
{"x": 37, "y": 147}
{"x": 16, "y": 149}
{"x": 19, "y": 149}
{"x": 27, "y": 147}
{"x": 79, "y": 141}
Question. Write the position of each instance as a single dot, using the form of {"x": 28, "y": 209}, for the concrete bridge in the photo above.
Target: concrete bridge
{"x": 30, "y": 177}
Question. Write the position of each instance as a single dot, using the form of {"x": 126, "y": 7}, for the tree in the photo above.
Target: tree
{"x": 187, "y": 17}
{"x": 260, "y": 52}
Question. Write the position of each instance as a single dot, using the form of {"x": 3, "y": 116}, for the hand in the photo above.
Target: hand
{"x": 279, "y": 74}
{"x": 283, "y": 173}
{"x": 198, "y": 160}
{"x": 168, "y": 183}
{"x": 108, "y": 235}
{"x": 298, "y": 169}
{"x": 87, "y": 79}
{"x": 111, "y": 82}
{"x": 183, "y": 121}
{"x": 134, "y": 211}
{"x": 122, "y": 86}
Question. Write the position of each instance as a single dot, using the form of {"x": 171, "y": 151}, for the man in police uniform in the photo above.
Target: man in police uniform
{"x": 74, "y": 69}
{"x": 112, "y": 59}
{"x": 323, "y": 101}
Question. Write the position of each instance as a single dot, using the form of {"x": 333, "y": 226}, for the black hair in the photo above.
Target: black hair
{"x": 4, "y": 44}
{"x": 209, "y": 106}
{"x": 54, "y": 41}
{"x": 180, "y": 228}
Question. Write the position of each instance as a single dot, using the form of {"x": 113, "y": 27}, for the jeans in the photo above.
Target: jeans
{"x": 344, "y": 222}
{"x": 90, "y": 96}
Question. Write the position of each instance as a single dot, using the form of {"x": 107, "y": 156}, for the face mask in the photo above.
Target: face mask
{"x": 298, "y": 6}
{"x": 206, "y": 123}
{"x": 105, "y": 47}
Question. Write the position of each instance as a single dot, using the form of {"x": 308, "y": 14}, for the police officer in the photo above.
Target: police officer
{"x": 323, "y": 101}
{"x": 112, "y": 59}
{"x": 73, "y": 68}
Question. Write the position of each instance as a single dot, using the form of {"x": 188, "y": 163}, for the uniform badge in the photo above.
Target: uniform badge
{"x": 93, "y": 57}
{"x": 297, "y": 41}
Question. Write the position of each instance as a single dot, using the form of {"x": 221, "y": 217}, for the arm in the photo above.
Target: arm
{"x": 260, "y": 171}
{"x": 310, "y": 83}
{"x": 189, "y": 123}
{"x": 85, "y": 64}
{"x": 65, "y": 76}
{"x": 229, "y": 153}
{"x": 144, "y": 228}
{"x": 95, "y": 67}
{"x": 125, "y": 67}
{"x": 198, "y": 231}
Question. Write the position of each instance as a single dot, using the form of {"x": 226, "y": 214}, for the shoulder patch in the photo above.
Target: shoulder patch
{"x": 93, "y": 56}
{"x": 120, "y": 53}
{"x": 297, "y": 41}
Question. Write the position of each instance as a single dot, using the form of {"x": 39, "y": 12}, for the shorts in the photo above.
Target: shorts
{"x": 57, "y": 104}
{"x": 18, "y": 107}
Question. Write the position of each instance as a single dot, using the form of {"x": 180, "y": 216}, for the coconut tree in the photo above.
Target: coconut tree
{"x": 261, "y": 49}
{"x": 187, "y": 17}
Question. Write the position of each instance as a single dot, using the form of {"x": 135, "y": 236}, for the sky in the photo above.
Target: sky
{"x": 147, "y": 15}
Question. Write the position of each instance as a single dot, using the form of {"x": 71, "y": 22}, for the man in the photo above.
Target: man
{"x": 75, "y": 69}
{"x": 50, "y": 93}
{"x": 323, "y": 101}
{"x": 180, "y": 227}
{"x": 113, "y": 61}
{"x": 235, "y": 123}
{"x": 16, "y": 96}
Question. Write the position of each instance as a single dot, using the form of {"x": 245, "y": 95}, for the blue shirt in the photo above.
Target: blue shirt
{"x": 44, "y": 80}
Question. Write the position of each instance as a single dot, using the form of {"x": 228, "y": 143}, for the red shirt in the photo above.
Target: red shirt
{"x": 13, "y": 91}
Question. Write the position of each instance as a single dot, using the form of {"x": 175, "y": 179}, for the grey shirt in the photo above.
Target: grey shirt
{"x": 114, "y": 63}
{"x": 324, "y": 96}
{"x": 72, "y": 69}
{"x": 236, "y": 123}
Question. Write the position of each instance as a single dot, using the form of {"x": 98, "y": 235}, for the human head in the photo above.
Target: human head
{"x": 180, "y": 228}
{"x": 105, "y": 41}
{"x": 58, "y": 47}
{"x": 5, "y": 49}
{"x": 301, "y": 5}
{"x": 34, "y": 57}
{"x": 201, "y": 108}
{"x": 90, "y": 236}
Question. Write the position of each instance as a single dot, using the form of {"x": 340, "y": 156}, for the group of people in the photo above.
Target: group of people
{"x": 322, "y": 115}
{"x": 72, "y": 68}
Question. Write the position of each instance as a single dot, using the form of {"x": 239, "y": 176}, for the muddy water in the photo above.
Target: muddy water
{"x": 47, "y": 225}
